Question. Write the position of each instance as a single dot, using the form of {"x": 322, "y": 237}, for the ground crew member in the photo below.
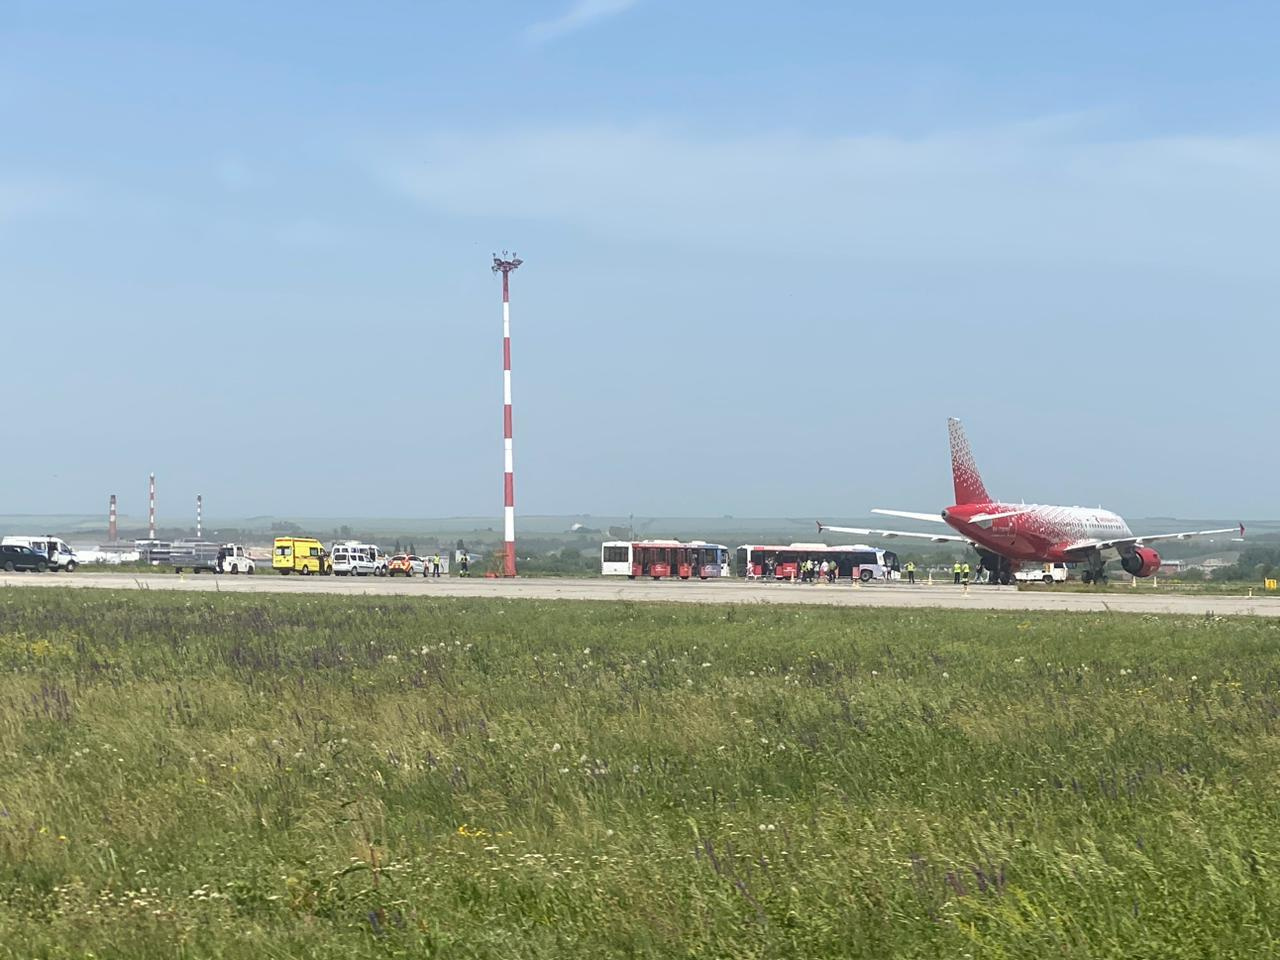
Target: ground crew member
{"x": 965, "y": 571}
{"x": 911, "y": 571}
{"x": 464, "y": 566}
{"x": 955, "y": 571}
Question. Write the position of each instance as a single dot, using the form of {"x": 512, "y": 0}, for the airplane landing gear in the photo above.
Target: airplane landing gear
{"x": 999, "y": 570}
{"x": 1095, "y": 572}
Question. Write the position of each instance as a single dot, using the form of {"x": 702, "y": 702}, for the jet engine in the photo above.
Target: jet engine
{"x": 1143, "y": 562}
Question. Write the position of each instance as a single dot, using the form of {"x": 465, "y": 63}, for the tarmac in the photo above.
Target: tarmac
{"x": 1141, "y": 599}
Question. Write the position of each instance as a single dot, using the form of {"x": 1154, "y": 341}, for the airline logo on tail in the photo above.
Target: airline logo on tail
{"x": 969, "y": 486}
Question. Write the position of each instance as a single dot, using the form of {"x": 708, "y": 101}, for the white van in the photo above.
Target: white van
{"x": 59, "y": 555}
{"x": 359, "y": 559}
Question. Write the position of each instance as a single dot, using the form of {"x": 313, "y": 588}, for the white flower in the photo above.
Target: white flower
{"x": 555, "y": 748}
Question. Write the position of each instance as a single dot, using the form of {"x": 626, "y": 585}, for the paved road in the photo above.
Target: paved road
{"x": 1139, "y": 600}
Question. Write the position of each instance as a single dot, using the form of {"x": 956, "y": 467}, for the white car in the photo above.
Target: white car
{"x": 407, "y": 565}
{"x": 352, "y": 562}
{"x": 367, "y": 550}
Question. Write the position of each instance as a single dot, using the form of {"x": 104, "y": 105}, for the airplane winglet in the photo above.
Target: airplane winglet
{"x": 819, "y": 523}
{"x": 1242, "y": 531}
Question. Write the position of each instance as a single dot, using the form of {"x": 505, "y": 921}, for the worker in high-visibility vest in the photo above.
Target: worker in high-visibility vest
{"x": 956, "y": 571}
{"x": 911, "y": 571}
{"x": 964, "y": 571}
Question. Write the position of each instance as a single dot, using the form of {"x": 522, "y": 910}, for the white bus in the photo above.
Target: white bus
{"x": 783, "y": 562}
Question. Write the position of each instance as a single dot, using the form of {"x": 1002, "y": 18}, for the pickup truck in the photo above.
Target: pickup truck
{"x": 1044, "y": 573}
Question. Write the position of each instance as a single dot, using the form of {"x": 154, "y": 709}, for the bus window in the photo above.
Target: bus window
{"x": 616, "y": 555}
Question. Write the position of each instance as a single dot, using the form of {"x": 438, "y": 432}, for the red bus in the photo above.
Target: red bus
{"x": 664, "y": 558}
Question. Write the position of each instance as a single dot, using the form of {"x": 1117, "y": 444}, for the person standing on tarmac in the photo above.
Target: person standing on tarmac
{"x": 911, "y": 571}
{"x": 464, "y": 566}
{"x": 964, "y": 570}
{"x": 955, "y": 572}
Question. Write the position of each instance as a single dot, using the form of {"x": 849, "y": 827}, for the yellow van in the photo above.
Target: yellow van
{"x": 303, "y": 554}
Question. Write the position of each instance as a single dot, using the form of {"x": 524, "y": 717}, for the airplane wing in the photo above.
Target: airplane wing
{"x": 890, "y": 534}
{"x": 910, "y": 515}
{"x": 1083, "y": 545}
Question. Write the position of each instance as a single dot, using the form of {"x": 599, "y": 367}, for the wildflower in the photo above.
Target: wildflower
{"x": 555, "y": 748}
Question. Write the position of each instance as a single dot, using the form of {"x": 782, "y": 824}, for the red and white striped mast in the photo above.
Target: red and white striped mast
{"x": 504, "y": 265}
{"x": 199, "y": 514}
{"x": 151, "y": 508}
{"x": 111, "y": 519}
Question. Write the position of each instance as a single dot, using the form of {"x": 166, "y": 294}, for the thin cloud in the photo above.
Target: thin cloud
{"x": 583, "y": 13}
{"x": 1032, "y": 192}
{"x": 22, "y": 197}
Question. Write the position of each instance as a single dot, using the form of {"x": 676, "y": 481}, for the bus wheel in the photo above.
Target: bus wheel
{"x": 306, "y": 571}
{"x": 631, "y": 576}
{"x": 864, "y": 576}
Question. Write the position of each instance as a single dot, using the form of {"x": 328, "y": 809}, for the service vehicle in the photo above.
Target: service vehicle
{"x": 304, "y": 555}
{"x": 406, "y": 565}
{"x": 651, "y": 558}
{"x": 783, "y": 562}
{"x": 15, "y": 556}
{"x": 352, "y": 561}
{"x": 1042, "y": 573}
{"x": 379, "y": 559}
{"x": 193, "y": 555}
{"x": 57, "y": 555}
{"x": 709, "y": 559}
{"x": 234, "y": 558}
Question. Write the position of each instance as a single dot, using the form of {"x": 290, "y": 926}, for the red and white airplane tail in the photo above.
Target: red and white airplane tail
{"x": 964, "y": 472}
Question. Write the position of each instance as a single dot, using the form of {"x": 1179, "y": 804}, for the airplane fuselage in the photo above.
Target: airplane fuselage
{"x": 1036, "y": 532}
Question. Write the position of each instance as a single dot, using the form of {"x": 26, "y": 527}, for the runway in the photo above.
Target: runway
{"x": 942, "y": 596}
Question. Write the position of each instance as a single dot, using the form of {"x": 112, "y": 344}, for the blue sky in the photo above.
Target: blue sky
{"x": 768, "y": 250}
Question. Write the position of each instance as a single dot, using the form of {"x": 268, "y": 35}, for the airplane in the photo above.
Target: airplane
{"x": 1006, "y": 535}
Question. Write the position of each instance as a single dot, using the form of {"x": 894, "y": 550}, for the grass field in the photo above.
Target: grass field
{"x": 232, "y": 776}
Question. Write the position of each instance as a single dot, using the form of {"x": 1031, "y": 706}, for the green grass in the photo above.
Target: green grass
{"x": 240, "y": 776}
